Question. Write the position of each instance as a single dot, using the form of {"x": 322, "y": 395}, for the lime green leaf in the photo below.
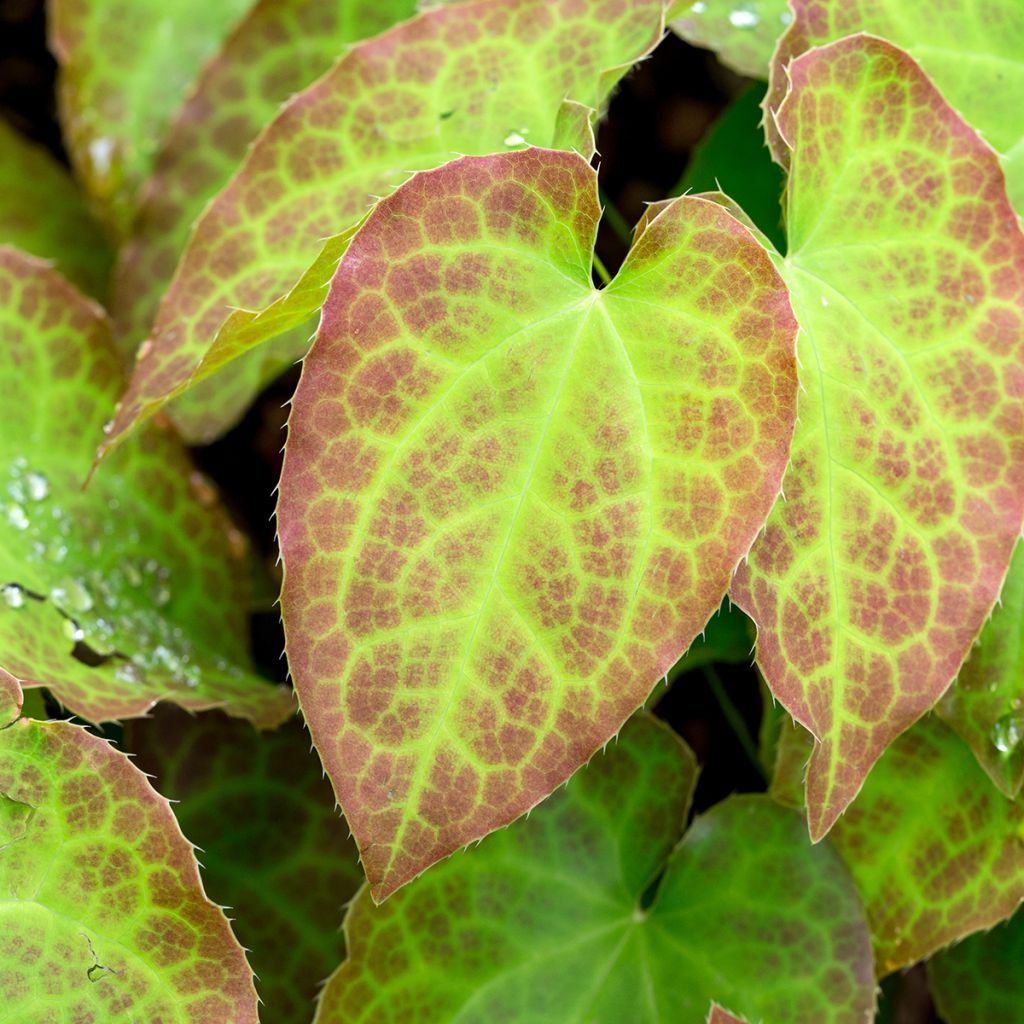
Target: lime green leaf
{"x": 274, "y": 849}
{"x": 550, "y": 920}
{"x": 727, "y": 638}
{"x": 104, "y": 917}
{"x": 276, "y": 51}
{"x": 476, "y": 77}
{"x": 510, "y": 501}
{"x": 986, "y": 704}
{"x": 743, "y": 33}
{"x": 125, "y": 67}
{"x": 42, "y": 212}
{"x": 974, "y": 52}
{"x": 936, "y": 852}
{"x": 143, "y": 567}
{"x": 980, "y": 980}
{"x": 906, "y": 492}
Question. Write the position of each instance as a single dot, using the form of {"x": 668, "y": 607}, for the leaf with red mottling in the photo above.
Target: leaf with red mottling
{"x": 278, "y": 49}
{"x": 973, "y": 51}
{"x": 475, "y": 77}
{"x": 906, "y": 492}
{"x": 143, "y": 567}
{"x": 510, "y": 501}
{"x": 986, "y": 704}
{"x": 103, "y": 916}
{"x": 10, "y": 699}
{"x": 719, "y": 1016}
{"x": 593, "y": 909}
{"x": 936, "y": 852}
{"x": 274, "y": 848}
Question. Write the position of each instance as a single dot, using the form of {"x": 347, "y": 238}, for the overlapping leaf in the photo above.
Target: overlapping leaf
{"x": 986, "y": 705}
{"x": 277, "y": 50}
{"x": 719, "y": 1016}
{"x": 973, "y": 51}
{"x": 936, "y": 851}
{"x": 125, "y": 68}
{"x": 143, "y": 568}
{"x": 468, "y": 78}
{"x": 511, "y": 501}
{"x": 274, "y": 848}
{"x": 103, "y": 915}
{"x": 551, "y": 921}
{"x": 43, "y": 212}
{"x": 906, "y": 492}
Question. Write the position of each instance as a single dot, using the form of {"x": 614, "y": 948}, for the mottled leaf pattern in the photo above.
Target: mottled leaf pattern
{"x": 103, "y": 916}
{"x": 906, "y": 492}
{"x": 547, "y": 921}
{"x": 11, "y": 699}
{"x": 411, "y": 98}
{"x": 511, "y": 501}
{"x": 126, "y": 66}
{"x": 274, "y": 848}
{"x": 143, "y": 567}
{"x": 935, "y": 850}
{"x": 719, "y": 1016}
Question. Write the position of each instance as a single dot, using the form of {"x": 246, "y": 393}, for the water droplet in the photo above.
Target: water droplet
{"x": 14, "y": 597}
{"x": 16, "y": 517}
{"x": 699, "y": 7}
{"x": 743, "y": 17}
{"x": 100, "y": 152}
{"x": 515, "y": 138}
{"x": 144, "y": 349}
{"x": 1007, "y": 733}
{"x": 108, "y": 426}
{"x": 127, "y": 673}
{"x": 38, "y": 486}
{"x": 824, "y": 301}
{"x": 73, "y": 631}
{"x": 786, "y": 17}
{"x": 71, "y": 595}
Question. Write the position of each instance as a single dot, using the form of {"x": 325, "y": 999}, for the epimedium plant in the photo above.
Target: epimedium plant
{"x": 516, "y": 490}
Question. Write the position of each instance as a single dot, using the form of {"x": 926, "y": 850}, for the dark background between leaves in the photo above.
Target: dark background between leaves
{"x": 656, "y": 119}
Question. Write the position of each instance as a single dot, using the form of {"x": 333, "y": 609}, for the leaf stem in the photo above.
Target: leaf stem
{"x": 734, "y": 718}
{"x": 616, "y": 221}
{"x": 602, "y": 271}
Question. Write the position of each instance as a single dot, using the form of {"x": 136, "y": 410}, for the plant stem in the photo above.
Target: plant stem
{"x": 615, "y": 220}
{"x": 602, "y": 271}
{"x": 734, "y": 718}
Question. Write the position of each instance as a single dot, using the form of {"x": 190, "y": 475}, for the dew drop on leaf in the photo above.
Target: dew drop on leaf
{"x": 1007, "y": 733}
{"x": 71, "y": 595}
{"x": 38, "y": 486}
{"x": 14, "y": 597}
{"x": 743, "y": 17}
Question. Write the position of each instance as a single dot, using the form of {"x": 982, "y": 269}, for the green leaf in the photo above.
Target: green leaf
{"x": 104, "y": 917}
{"x": 973, "y": 51}
{"x": 980, "y": 980}
{"x": 510, "y": 501}
{"x": 906, "y": 492}
{"x": 936, "y": 852}
{"x": 276, "y": 51}
{"x": 274, "y": 848}
{"x": 743, "y": 33}
{"x": 986, "y": 704}
{"x": 125, "y": 67}
{"x": 143, "y": 567}
{"x": 43, "y": 213}
{"x": 551, "y": 920}
{"x": 467, "y": 78}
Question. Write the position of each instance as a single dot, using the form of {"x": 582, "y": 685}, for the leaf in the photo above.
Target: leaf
{"x": 728, "y": 638}
{"x": 719, "y": 1016}
{"x": 743, "y": 33}
{"x": 936, "y": 852}
{"x": 125, "y": 67}
{"x": 143, "y": 567}
{"x": 974, "y": 52}
{"x": 980, "y": 980}
{"x": 906, "y": 491}
{"x": 509, "y": 501}
{"x": 11, "y": 699}
{"x": 42, "y": 212}
{"x": 104, "y": 916}
{"x": 274, "y": 849}
{"x": 552, "y": 920}
{"x": 409, "y": 99}
{"x": 276, "y": 51}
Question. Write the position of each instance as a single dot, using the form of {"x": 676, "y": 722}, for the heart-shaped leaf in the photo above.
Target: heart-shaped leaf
{"x": 511, "y": 501}
{"x": 104, "y": 917}
{"x": 906, "y": 492}
{"x": 476, "y": 77}
{"x": 143, "y": 568}
{"x": 554, "y": 919}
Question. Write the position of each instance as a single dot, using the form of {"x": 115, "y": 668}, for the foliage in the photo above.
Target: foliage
{"x": 518, "y": 493}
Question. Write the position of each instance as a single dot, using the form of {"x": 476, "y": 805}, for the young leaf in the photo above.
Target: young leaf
{"x": 551, "y": 921}
{"x": 43, "y": 213}
{"x": 986, "y": 704}
{"x": 936, "y": 852}
{"x": 125, "y": 68}
{"x": 717, "y": 1015}
{"x": 104, "y": 916}
{"x": 972, "y": 51}
{"x": 906, "y": 492}
{"x": 980, "y": 980}
{"x": 276, "y": 51}
{"x": 510, "y": 501}
{"x": 143, "y": 567}
{"x": 274, "y": 849}
{"x": 476, "y": 77}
